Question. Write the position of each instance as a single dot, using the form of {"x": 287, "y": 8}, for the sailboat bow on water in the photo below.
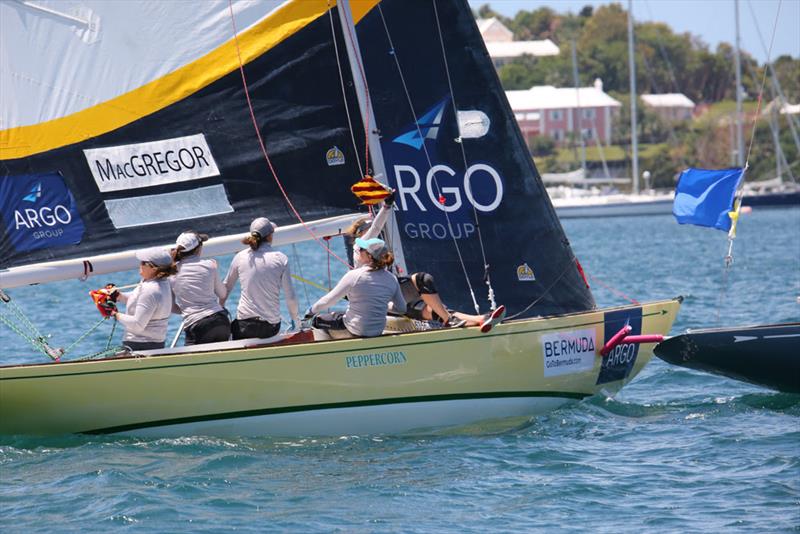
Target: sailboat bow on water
{"x": 162, "y": 118}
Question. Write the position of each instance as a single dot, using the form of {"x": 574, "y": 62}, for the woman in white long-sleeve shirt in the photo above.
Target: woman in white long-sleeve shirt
{"x": 197, "y": 291}
{"x": 262, "y": 272}
{"x": 369, "y": 289}
{"x": 149, "y": 305}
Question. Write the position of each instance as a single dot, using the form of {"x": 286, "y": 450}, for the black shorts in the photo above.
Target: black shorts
{"x": 329, "y": 321}
{"x": 143, "y": 345}
{"x": 413, "y": 295}
{"x": 249, "y": 328}
{"x": 215, "y": 327}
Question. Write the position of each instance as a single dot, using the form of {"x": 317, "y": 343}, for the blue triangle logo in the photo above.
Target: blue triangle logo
{"x": 35, "y": 194}
{"x": 427, "y": 127}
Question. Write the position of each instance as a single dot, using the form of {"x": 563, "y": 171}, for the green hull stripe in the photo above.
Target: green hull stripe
{"x": 354, "y": 404}
{"x": 141, "y": 360}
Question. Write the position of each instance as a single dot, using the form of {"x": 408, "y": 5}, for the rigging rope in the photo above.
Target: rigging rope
{"x": 263, "y": 146}
{"x": 740, "y": 194}
{"x": 393, "y": 53}
{"x": 487, "y": 278}
{"x": 344, "y": 94}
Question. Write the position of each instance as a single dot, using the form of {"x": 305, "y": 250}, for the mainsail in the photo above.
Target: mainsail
{"x": 146, "y": 130}
{"x": 470, "y": 200}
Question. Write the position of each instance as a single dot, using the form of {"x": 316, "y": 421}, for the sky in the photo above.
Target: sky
{"x": 711, "y": 20}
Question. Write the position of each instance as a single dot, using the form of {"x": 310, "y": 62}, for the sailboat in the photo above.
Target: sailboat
{"x": 159, "y": 118}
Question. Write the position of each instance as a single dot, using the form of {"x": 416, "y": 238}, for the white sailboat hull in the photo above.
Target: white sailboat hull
{"x": 388, "y": 384}
{"x": 613, "y": 206}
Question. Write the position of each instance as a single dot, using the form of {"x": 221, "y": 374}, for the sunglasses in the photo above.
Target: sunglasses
{"x": 148, "y": 263}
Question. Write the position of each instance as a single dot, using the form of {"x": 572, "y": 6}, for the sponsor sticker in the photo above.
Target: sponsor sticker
{"x": 437, "y": 198}
{"x": 334, "y": 156}
{"x": 569, "y": 352}
{"x": 618, "y": 364}
{"x": 525, "y": 273}
{"x": 124, "y": 167}
{"x": 376, "y": 359}
{"x": 39, "y": 211}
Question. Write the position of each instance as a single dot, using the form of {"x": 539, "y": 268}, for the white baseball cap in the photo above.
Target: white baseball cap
{"x": 262, "y": 226}
{"x": 190, "y": 240}
{"x": 158, "y": 256}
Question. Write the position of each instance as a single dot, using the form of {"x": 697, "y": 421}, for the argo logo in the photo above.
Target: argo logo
{"x": 39, "y": 212}
{"x": 435, "y": 200}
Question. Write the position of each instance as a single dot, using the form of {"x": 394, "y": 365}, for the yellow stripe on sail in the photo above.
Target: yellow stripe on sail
{"x": 107, "y": 116}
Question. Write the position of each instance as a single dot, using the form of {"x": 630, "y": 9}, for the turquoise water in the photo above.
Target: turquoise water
{"x": 675, "y": 451}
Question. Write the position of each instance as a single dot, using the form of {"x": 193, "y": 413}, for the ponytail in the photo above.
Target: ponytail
{"x": 179, "y": 253}
{"x": 384, "y": 262}
{"x": 254, "y": 240}
{"x": 166, "y": 271}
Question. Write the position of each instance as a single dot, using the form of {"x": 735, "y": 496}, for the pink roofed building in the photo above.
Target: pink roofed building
{"x": 560, "y": 111}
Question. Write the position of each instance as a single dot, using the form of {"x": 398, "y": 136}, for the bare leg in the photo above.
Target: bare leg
{"x": 434, "y": 303}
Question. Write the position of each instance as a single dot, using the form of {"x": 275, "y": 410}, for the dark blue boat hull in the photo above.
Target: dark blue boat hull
{"x": 767, "y": 355}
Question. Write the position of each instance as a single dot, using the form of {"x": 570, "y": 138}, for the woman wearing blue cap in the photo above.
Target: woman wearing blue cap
{"x": 369, "y": 289}
{"x": 198, "y": 291}
{"x": 149, "y": 305}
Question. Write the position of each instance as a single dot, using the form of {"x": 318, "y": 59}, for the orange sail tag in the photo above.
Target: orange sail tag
{"x": 369, "y": 191}
{"x": 104, "y": 300}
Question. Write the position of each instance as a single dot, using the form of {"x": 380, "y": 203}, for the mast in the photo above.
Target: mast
{"x": 738, "y": 63}
{"x": 577, "y": 124}
{"x": 368, "y": 117}
{"x": 634, "y": 135}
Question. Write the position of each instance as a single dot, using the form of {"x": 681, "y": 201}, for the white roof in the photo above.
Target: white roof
{"x": 492, "y": 28}
{"x": 549, "y": 97}
{"x": 790, "y": 109}
{"x": 511, "y": 49}
{"x": 668, "y": 100}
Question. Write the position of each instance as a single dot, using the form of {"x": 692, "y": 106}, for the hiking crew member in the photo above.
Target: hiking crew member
{"x": 368, "y": 288}
{"x": 262, "y": 273}
{"x": 197, "y": 291}
{"x": 419, "y": 289}
{"x": 148, "y": 306}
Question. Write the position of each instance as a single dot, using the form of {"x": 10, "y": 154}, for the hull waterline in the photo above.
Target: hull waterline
{"x": 390, "y": 384}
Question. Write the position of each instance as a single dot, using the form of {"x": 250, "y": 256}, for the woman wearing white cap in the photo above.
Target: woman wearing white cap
{"x": 149, "y": 305}
{"x": 262, "y": 272}
{"x": 198, "y": 291}
{"x": 369, "y": 288}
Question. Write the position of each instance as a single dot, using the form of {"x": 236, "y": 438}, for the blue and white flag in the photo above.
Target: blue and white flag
{"x": 705, "y": 197}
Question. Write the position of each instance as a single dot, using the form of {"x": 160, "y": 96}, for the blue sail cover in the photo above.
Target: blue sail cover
{"x": 704, "y": 197}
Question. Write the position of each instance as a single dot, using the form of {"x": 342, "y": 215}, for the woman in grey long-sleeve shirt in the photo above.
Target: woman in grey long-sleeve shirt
{"x": 262, "y": 272}
{"x": 149, "y": 305}
{"x": 368, "y": 288}
{"x": 198, "y": 290}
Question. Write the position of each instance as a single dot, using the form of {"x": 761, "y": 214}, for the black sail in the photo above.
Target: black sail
{"x": 498, "y": 201}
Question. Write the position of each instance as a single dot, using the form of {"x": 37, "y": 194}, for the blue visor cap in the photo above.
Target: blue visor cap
{"x": 376, "y": 247}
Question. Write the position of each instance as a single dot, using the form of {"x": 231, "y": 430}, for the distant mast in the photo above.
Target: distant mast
{"x": 738, "y": 63}
{"x": 632, "y": 69}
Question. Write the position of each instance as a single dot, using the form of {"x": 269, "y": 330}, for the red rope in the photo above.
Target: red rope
{"x": 613, "y": 290}
{"x": 263, "y": 146}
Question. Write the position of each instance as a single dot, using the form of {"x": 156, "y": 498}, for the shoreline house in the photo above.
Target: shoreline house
{"x": 559, "y": 112}
{"x": 671, "y": 107}
{"x": 503, "y": 48}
